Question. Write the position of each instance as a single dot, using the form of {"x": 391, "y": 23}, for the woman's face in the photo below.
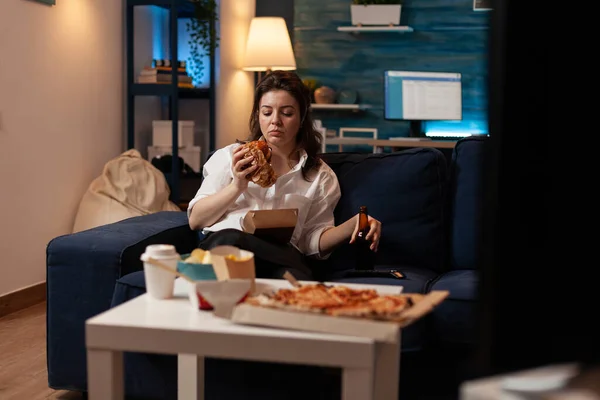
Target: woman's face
{"x": 279, "y": 118}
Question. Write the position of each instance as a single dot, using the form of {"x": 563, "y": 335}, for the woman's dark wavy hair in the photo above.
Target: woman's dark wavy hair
{"x": 307, "y": 138}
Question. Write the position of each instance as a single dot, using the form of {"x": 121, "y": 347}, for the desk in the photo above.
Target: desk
{"x": 379, "y": 144}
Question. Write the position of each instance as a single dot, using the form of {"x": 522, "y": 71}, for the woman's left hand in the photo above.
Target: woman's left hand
{"x": 374, "y": 233}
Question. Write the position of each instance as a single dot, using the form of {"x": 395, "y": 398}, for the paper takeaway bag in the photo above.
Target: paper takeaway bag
{"x": 230, "y": 262}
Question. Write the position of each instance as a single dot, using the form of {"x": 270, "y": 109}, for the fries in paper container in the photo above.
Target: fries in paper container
{"x": 197, "y": 267}
{"x": 198, "y": 256}
{"x": 217, "y": 275}
{"x": 230, "y": 262}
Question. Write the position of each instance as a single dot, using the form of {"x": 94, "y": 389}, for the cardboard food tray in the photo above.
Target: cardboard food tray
{"x": 383, "y": 331}
{"x": 272, "y": 225}
{"x": 226, "y": 268}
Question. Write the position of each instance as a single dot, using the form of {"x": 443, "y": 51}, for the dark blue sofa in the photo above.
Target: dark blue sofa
{"x": 429, "y": 206}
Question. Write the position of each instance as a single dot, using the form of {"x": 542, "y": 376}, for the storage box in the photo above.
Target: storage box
{"x": 375, "y": 14}
{"x": 162, "y": 133}
{"x": 275, "y": 226}
{"x": 190, "y": 154}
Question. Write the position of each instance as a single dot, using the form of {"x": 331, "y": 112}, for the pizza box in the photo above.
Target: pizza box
{"x": 225, "y": 297}
{"x": 382, "y": 331}
{"x": 276, "y": 226}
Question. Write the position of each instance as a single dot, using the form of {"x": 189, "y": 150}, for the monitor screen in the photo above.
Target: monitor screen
{"x": 411, "y": 95}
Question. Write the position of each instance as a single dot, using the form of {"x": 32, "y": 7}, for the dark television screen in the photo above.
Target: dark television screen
{"x": 537, "y": 303}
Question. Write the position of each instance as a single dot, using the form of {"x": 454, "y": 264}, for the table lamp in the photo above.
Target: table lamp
{"x": 269, "y": 46}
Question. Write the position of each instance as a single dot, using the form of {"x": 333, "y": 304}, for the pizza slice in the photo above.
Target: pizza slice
{"x": 335, "y": 300}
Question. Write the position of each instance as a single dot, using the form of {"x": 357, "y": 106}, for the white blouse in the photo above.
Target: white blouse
{"x": 314, "y": 199}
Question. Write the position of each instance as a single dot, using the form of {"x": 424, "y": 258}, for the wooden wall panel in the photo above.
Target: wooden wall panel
{"x": 448, "y": 37}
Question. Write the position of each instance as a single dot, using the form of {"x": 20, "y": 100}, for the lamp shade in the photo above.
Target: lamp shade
{"x": 269, "y": 46}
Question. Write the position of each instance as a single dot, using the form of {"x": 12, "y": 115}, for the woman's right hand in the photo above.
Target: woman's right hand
{"x": 242, "y": 168}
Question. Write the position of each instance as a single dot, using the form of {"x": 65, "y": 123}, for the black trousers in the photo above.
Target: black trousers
{"x": 271, "y": 260}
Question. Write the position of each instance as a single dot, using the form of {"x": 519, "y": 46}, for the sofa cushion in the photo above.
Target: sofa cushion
{"x": 417, "y": 280}
{"x": 128, "y": 287}
{"x": 465, "y": 195}
{"x": 454, "y": 319}
{"x": 405, "y": 191}
{"x": 171, "y": 227}
{"x": 95, "y": 259}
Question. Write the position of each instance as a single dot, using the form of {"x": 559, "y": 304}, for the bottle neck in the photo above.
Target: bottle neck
{"x": 363, "y": 221}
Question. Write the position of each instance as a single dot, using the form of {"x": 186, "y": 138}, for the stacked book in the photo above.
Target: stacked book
{"x": 161, "y": 73}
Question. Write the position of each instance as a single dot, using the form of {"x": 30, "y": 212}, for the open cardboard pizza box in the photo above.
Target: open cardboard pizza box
{"x": 383, "y": 331}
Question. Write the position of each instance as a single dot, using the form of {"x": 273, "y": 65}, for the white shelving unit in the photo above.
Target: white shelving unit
{"x": 383, "y": 28}
{"x": 351, "y": 107}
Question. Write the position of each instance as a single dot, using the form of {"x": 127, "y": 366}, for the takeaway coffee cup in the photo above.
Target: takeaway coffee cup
{"x": 159, "y": 282}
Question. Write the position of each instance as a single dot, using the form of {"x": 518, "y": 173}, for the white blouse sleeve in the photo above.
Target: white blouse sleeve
{"x": 216, "y": 174}
{"x": 320, "y": 215}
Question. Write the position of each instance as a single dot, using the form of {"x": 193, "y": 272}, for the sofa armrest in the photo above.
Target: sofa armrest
{"x": 81, "y": 272}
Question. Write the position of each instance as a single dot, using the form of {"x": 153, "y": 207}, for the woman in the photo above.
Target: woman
{"x": 280, "y": 116}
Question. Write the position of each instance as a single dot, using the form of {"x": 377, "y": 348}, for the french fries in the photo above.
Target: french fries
{"x": 236, "y": 258}
{"x": 199, "y": 256}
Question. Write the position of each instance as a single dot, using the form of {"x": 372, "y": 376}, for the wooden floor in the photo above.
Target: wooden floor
{"x": 23, "y": 373}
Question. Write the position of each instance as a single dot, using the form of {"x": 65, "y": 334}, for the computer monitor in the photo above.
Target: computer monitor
{"x": 422, "y": 96}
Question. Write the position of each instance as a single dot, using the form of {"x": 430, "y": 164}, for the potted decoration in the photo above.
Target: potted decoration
{"x": 375, "y": 12}
{"x": 203, "y": 34}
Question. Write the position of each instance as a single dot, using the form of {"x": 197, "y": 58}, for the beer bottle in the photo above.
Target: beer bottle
{"x": 364, "y": 255}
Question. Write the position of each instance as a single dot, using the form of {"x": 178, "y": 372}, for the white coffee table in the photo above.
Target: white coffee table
{"x": 370, "y": 369}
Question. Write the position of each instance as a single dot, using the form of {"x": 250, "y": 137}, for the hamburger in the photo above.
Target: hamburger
{"x": 264, "y": 176}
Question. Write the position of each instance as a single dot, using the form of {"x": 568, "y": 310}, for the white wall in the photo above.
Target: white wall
{"x": 235, "y": 88}
{"x": 61, "y": 118}
{"x": 62, "y": 111}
